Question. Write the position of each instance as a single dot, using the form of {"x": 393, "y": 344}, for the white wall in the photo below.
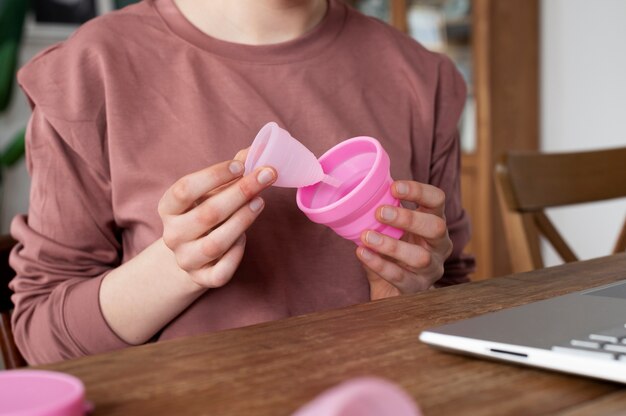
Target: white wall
{"x": 583, "y": 104}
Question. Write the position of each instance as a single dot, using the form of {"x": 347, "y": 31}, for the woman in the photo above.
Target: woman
{"x": 130, "y": 237}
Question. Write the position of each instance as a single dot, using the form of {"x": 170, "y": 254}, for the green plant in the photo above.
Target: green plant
{"x": 12, "y": 15}
{"x": 14, "y": 151}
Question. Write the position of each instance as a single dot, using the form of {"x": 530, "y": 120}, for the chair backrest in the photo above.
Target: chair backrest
{"x": 10, "y": 354}
{"x": 527, "y": 183}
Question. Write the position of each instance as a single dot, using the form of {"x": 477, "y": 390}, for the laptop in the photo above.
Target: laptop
{"x": 580, "y": 333}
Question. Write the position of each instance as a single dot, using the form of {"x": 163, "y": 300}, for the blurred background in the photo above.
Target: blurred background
{"x": 545, "y": 75}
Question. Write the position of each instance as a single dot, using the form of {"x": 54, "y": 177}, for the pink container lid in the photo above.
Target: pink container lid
{"x": 41, "y": 393}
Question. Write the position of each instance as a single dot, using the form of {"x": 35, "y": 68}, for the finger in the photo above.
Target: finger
{"x": 217, "y": 208}
{"x": 182, "y": 195}
{"x": 429, "y": 226}
{"x": 391, "y": 272}
{"x": 429, "y": 198}
{"x": 197, "y": 253}
{"x": 242, "y": 155}
{"x": 414, "y": 256}
{"x": 220, "y": 273}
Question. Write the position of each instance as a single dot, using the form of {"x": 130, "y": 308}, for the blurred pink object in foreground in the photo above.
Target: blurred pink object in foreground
{"x": 362, "y": 397}
{"x": 41, "y": 393}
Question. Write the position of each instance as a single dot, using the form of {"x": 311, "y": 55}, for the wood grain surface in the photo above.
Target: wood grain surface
{"x": 274, "y": 368}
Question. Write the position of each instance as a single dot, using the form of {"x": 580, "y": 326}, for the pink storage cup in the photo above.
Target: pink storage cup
{"x": 41, "y": 393}
{"x": 360, "y": 166}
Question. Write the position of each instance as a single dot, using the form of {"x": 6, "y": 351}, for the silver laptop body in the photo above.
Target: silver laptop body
{"x": 581, "y": 333}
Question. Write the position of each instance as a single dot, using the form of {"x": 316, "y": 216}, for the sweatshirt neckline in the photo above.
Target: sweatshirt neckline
{"x": 304, "y": 47}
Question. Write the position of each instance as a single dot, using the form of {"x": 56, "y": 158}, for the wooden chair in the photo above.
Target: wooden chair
{"x": 10, "y": 354}
{"x": 527, "y": 183}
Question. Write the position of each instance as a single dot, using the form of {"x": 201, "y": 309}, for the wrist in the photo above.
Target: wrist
{"x": 141, "y": 296}
{"x": 183, "y": 279}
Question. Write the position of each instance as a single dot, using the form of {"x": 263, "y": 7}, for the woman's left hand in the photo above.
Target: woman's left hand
{"x": 415, "y": 262}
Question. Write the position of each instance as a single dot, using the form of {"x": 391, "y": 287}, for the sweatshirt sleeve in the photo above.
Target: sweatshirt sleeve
{"x": 68, "y": 241}
{"x": 445, "y": 170}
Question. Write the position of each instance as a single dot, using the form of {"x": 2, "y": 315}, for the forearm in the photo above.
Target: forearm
{"x": 202, "y": 245}
{"x": 141, "y": 296}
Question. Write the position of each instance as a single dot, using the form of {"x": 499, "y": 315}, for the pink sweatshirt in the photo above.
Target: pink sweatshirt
{"x": 138, "y": 98}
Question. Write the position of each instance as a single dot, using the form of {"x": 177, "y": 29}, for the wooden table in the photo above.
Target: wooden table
{"x": 273, "y": 368}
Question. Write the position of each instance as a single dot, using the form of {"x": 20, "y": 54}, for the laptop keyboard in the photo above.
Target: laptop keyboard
{"x": 609, "y": 344}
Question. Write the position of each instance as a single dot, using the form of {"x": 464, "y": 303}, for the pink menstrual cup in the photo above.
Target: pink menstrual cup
{"x": 361, "y": 166}
{"x": 296, "y": 165}
{"x": 342, "y": 189}
{"x": 41, "y": 393}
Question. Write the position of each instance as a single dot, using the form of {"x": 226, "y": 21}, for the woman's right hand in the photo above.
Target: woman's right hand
{"x": 205, "y": 215}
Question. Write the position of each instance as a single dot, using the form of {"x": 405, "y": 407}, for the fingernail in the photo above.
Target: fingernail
{"x": 373, "y": 238}
{"x": 265, "y": 176}
{"x": 402, "y": 188}
{"x": 366, "y": 254}
{"x": 388, "y": 213}
{"x": 256, "y": 204}
{"x": 235, "y": 167}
